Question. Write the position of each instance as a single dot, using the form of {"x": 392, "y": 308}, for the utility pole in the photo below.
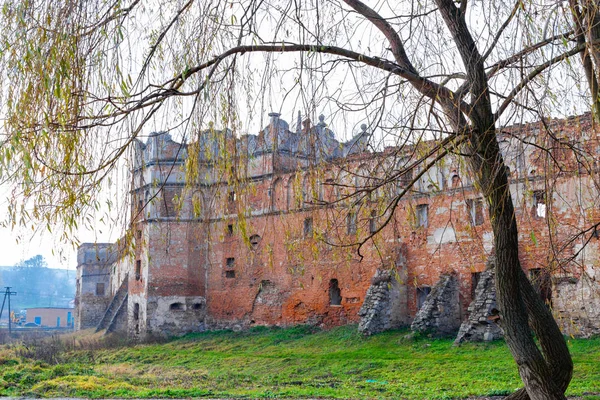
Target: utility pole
{"x": 7, "y": 294}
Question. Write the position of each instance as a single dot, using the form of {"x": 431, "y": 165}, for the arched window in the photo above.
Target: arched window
{"x": 335, "y": 294}
{"x": 254, "y": 241}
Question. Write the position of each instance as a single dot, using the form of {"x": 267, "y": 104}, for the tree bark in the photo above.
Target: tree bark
{"x": 515, "y": 295}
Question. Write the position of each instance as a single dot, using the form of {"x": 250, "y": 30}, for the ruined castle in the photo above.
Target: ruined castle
{"x": 231, "y": 232}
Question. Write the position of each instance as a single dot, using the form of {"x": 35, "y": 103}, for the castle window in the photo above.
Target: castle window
{"x": 308, "y": 227}
{"x": 138, "y": 270}
{"x": 99, "y": 289}
{"x": 422, "y": 215}
{"x": 230, "y": 274}
{"x": 139, "y": 234}
{"x": 373, "y": 222}
{"x": 475, "y": 208}
{"x": 230, "y": 262}
{"x": 455, "y": 181}
{"x": 231, "y": 196}
{"x": 197, "y": 306}
{"x": 176, "y": 307}
{"x": 539, "y": 203}
{"x": 335, "y": 294}
{"x": 422, "y": 293}
{"x": 230, "y": 230}
{"x": 254, "y": 241}
{"x": 351, "y": 223}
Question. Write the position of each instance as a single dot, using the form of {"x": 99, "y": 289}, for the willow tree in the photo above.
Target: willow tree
{"x": 83, "y": 80}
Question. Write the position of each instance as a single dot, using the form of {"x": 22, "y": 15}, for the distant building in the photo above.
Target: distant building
{"x": 51, "y": 317}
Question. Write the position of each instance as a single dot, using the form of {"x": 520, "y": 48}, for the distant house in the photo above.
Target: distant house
{"x": 52, "y": 317}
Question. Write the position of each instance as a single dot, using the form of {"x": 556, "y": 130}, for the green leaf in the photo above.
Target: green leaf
{"x": 533, "y": 238}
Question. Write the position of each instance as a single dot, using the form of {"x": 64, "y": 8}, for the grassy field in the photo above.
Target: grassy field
{"x": 269, "y": 362}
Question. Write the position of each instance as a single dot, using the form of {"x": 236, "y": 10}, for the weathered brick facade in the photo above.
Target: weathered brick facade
{"x": 257, "y": 236}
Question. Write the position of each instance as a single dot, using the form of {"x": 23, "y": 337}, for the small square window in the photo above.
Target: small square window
{"x": 230, "y": 262}
{"x": 100, "y": 289}
{"x": 230, "y": 274}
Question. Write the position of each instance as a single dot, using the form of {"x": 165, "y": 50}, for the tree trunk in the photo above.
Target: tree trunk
{"x": 515, "y": 295}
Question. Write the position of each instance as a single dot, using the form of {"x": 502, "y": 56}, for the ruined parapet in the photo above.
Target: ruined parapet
{"x": 480, "y": 325}
{"x": 440, "y": 314}
{"x": 385, "y": 305}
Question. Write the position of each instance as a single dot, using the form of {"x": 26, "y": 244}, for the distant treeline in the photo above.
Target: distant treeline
{"x": 37, "y": 285}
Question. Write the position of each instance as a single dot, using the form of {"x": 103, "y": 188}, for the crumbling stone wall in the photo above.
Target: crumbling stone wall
{"x": 576, "y": 305}
{"x": 480, "y": 325}
{"x": 385, "y": 306}
{"x": 440, "y": 314}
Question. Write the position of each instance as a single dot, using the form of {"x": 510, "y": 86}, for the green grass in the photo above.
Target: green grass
{"x": 296, "y": 362}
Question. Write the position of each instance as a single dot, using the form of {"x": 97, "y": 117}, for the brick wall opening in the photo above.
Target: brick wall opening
{"x": 539, "y": 203}
{"x": 475, "y": 208}
{"x": 335, "y": 294}
{"x": 373, "y": 222}
{"x": 422, "y": 215}
{"x": 230, "y": 274}
{"x": 308, "y": 227}
{"x": 176, "y": 307}
{"x": 254, "y": 241}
